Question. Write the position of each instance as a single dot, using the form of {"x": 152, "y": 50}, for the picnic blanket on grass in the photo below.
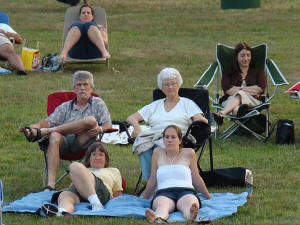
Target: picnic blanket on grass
{"x": 219, "y": 206}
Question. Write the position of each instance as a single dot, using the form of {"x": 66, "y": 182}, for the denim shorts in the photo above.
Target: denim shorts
{"x": 175, "y": 194}
{"x": 84, "y": 48}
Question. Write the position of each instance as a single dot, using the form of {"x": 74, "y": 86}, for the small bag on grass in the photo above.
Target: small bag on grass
{"x": 30, "y": 57}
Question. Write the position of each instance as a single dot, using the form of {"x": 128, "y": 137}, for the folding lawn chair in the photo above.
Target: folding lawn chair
{"x": 4, "y": 18}
{"x": 201, "y": 98}
{"x": 224, "y": 55}
{"x": 54, "y": 100}
{"x": 71, "y": 16}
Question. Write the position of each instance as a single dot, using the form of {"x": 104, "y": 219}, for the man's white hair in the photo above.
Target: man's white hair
{"x": 169, "y": 73}
{"x": 81, "y": 75}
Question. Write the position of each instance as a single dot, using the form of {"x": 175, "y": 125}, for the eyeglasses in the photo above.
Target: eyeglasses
{"x": 166, "y": 85}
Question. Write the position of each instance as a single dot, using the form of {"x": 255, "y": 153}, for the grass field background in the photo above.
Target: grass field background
{"x": 144, "y": 37}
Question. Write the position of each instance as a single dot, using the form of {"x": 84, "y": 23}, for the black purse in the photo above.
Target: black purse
{"x": 285, "y": 133}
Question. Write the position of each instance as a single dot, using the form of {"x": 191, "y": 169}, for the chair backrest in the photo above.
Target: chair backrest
{"x": 225, "y": 56}
{"x": 4, "y": 18}
{"x": 72, "y": 15}
{"x": 57, "y": 98}
{"x": 199, "y": 96}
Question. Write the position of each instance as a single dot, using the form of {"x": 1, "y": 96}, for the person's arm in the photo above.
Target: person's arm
{"x": 103, "y": 33}
{"x": 134, "y": 120}
{"x": 198, "y": 182}
{"x": 17, "y": 37}
{"x": 117, "y": 193}
{"x": 253, "y": 90}
{"x": 152, "y": 182}
{"x": 199, "y": 117}
{"x": 41, "y": 124}
{"x": 232, "y": 90}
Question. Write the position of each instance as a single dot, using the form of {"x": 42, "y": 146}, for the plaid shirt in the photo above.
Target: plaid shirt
{"x": 67, "y": 112}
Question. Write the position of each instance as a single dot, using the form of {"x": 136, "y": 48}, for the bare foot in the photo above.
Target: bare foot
{"x": 150, "y": 215}
{"x": 193, "y": 212}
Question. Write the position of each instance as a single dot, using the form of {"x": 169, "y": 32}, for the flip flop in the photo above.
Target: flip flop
{"x": 31, "y": 137}
{"x": 160, "y": 220}
{"x": 50, "y": 210}
{"x": 49, "y": 188}
{"x": 218, "y": 118}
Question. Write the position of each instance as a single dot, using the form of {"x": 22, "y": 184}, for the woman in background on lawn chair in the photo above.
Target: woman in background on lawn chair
{"x": 170, "y": 110}
{"x": 175, "y": 174}
{"x": 92, "y": 181}
{"x": 85, "y": 39}
{"x": 242, "y": 84}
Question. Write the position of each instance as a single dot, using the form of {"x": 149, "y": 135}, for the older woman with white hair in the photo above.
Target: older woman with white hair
{"x": 172, "y": 109}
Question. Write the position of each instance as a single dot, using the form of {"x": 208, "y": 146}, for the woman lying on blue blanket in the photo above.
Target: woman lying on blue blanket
{"x": 175, "y": 174}
{"x": 92, "y": 181}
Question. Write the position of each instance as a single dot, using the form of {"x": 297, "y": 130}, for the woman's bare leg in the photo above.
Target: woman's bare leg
{"x": 72, "y": 38}
{"x": 162, "y": 207}
{"x": 189, "y": 206}
{"x": 68, "y": 200}
{"x": 95, "y": 37}
{"x": 82, "y": 179}
{"x": 232, "y": 106}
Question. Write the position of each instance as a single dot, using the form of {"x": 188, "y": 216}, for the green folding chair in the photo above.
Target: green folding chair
{"x": 225, "y": 55}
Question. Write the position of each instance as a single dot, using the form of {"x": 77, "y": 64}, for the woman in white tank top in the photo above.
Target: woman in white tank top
{"x": 175, "y": 174}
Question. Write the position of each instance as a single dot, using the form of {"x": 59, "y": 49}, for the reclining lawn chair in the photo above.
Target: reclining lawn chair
{"x": 225, "y": 54}
{"x": 54, "y": 100}
{"x": 201, "y": 98}
{"x": 71, "y": 16}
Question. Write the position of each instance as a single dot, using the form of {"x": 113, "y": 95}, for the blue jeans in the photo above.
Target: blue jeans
{"x": 145, "y": 159}
{"x": 84, "y": 48}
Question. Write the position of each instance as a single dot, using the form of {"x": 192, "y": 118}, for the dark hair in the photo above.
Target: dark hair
{"x": 178, "y": 131}
{"x": 93, "y": 147}
{"x": 235, "y": 68}
{"x": 83, "y": 6}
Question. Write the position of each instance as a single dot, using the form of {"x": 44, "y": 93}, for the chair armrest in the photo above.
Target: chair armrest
{"x": 276, "y": 76}
{"x": 207, "y": 77}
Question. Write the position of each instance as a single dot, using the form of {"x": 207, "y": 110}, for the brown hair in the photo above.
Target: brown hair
{"x": 93, "y": 147}
{"x": 235, "y": 68}
{"x": 83, "y": 6}
{"x": 178, "y": 131}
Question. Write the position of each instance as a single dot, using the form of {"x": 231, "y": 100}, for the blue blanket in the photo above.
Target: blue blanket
{"x": 219, "y": 206}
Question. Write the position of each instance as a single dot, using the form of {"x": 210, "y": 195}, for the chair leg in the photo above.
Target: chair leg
{"x": 137, "y": 184}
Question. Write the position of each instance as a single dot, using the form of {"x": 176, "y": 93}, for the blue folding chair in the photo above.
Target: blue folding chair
{"x": 4, "y": 18}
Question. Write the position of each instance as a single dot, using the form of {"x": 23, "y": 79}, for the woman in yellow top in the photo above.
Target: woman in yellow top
{"x": 92, "y": 181}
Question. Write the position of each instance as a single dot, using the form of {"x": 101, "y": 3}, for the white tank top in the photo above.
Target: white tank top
{"x": 177, "y": 175}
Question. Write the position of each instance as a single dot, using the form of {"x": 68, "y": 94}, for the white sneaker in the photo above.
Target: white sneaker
{"x": 97, "y": 207}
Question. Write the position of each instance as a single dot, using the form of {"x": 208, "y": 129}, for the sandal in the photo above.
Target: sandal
{"x": 31, "y": 137}
{"x": 51, "y": 210}
{"x": 218, "y": 118}
{"x": 49, "y": 188}
{"x": 160, "y": 220}
{"x": 242, "y": 110}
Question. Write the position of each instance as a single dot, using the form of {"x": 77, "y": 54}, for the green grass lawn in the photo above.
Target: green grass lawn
{"x": 144, "y": 37}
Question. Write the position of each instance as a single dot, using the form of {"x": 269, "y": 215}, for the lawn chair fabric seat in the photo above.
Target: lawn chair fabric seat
{"x": 225, "y": 55}
{"x": 71, "y": 16}
{"x": 201, "y": 98}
